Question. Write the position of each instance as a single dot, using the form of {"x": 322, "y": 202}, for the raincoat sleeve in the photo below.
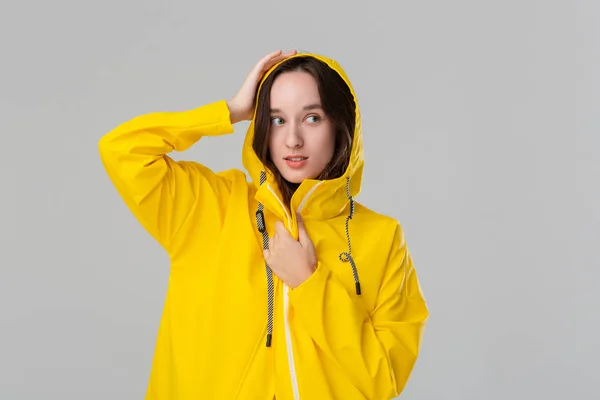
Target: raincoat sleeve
{"x": 377, "y": 349}
{"x": 159, "y": 191}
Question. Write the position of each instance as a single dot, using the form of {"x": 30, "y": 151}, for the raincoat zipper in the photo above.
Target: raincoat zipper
{"x": 288, "y": 333}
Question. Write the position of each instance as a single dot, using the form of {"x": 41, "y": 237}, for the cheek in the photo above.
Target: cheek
{"x": 328, "y": 143}
{"x": 273, "y": 144}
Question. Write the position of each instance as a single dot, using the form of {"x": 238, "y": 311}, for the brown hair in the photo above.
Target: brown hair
{"x": 337, "y": 102}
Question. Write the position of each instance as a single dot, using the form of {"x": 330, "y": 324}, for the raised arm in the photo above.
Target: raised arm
{"x": 159, "y": 191}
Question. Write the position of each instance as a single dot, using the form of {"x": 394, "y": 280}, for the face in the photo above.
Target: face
{"x": 302, "y": 137}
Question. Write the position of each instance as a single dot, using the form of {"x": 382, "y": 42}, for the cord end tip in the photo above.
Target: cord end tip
{"x": 269, "y": 337}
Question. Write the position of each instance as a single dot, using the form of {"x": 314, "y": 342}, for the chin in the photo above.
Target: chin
{"x": 295, "y": 177}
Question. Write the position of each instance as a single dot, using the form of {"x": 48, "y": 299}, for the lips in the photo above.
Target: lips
{"x": 295, "y": 158}
{"x": 295, "y": 161}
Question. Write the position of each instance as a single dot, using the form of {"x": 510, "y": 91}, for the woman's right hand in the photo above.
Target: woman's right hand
{"x": 241, "y": 106}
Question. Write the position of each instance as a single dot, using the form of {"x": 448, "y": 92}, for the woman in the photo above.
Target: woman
{"x": 283, "y": 287}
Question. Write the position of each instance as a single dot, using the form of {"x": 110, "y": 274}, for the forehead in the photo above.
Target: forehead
{"x": 294, "y": 89}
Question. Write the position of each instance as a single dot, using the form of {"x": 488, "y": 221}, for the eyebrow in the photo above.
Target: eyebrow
{"x": 314, "y": 106}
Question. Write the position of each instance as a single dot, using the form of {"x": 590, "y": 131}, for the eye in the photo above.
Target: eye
{"x": 277, "y": 120}
{"x": 313, "y": 118}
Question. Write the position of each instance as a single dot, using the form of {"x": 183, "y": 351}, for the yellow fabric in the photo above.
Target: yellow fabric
{"x": 211, "y": 341}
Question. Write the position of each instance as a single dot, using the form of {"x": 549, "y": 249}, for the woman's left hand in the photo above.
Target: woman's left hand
{"x": 293, "y": 261}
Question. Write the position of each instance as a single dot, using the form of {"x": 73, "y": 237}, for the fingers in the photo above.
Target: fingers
{"x": 282, "y": 56}
{"x": 273, "y": 58}
{"x": 282, "y": 235}
{"x": 301, "y": 228}
{"x": 278, "y": 234}
{"x": 286, "y": 55}
{"x": 277, "y": 55}
{"x": 279, "y": 228}
{"x": 269, "y": 57}
{"x": 302, "y": 233}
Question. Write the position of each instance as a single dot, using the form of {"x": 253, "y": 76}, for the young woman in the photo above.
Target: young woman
{"x": 283, "y": 287}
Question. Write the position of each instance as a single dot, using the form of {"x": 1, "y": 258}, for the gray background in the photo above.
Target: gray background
{"x": 480, "y": 122}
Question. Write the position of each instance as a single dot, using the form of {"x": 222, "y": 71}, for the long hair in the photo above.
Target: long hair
{"x": 338, "y": 104}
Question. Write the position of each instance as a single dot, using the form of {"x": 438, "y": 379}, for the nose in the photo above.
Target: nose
{"x": 294, "y": 137}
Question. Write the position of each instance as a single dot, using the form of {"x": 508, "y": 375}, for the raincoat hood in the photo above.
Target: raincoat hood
{"x": 324, "y": 199}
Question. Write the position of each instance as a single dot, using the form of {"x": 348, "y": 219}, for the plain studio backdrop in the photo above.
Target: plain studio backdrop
{"x": 481, "y": 134}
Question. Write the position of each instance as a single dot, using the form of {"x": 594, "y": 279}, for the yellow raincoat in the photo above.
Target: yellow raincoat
{"x": 351, "y": 331}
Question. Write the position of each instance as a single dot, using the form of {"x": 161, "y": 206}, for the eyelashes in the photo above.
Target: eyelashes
{"x": 276, "y": 121}
{"x": 311, "y": 119}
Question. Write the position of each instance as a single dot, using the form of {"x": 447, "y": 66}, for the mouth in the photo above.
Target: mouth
{"x": 295, "y": 158}
{"x": 295, "y": 161}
